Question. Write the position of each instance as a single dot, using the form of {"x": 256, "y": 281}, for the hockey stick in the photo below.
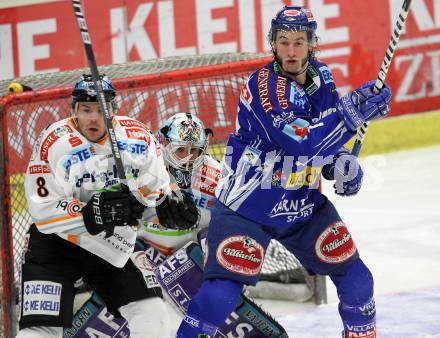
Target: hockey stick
{"x": 100, "y": 92}
{"x": 398, "y": 27}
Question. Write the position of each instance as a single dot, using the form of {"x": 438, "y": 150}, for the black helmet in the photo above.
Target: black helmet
{"x": 85, "y": 90}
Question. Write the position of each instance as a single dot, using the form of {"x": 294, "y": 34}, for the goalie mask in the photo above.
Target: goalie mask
{"x": 294, "y": 18}
{"x": 185, "y": 141}
{"x": 85, "y": 91}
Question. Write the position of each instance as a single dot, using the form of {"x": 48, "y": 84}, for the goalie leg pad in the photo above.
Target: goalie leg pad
{"x": 93, "y": 320}
{"x": 181, "y": 282}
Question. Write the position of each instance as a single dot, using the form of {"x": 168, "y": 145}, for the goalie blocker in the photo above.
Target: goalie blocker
{"x": 180, "y": 276}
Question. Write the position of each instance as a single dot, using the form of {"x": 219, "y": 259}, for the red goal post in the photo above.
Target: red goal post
{"x": 149, "y": 91}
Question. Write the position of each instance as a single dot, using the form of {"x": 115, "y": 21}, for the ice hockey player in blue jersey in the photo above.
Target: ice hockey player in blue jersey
{"x": 291, "y": 127}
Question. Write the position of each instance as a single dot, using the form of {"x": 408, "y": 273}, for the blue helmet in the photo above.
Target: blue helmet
{"x": 85, "y": 90}
{"x": 184, "y": 130}
{"x": 294, "y": 18}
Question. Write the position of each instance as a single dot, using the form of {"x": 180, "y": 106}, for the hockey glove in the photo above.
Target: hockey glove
{"x": 110, "y": 209}
{"x": 346, "y": 171}
{"x": 363, "y": 105}
{"x": 176, "y": 212}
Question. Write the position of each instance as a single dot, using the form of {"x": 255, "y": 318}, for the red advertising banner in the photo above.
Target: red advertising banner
{"x": 353, "y": 38}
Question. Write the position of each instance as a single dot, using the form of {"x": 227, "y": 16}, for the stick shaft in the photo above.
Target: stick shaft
{"x": 100, "y": 92}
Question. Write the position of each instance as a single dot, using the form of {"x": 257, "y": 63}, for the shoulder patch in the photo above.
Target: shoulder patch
{"x": 297, "y": 95}
{"x": 51, "y": 138}
{"x": 326, "y": 74}
{"x": 246, "y": 96}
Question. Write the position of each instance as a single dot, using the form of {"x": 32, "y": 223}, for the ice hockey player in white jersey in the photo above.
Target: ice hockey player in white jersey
{"x": 184, "y": 140}
{"x": 85, "y": 221}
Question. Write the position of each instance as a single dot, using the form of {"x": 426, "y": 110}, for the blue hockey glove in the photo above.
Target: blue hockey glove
{"x": 346, "y": 171}
{"x": 363, "y": 105}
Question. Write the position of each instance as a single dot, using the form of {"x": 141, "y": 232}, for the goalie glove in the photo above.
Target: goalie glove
{"x": 176, "y": 212}
{"x": 109, "y": 209}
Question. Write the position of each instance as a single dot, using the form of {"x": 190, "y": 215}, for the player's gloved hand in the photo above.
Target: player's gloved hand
{"x": 109, "y": 209}
{"x": 363, "y": 105}
{"x": 177, "y": 212}
{"x": 346, "y": 171}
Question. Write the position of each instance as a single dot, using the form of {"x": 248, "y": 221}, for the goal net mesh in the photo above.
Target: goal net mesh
{"x": 150, "y": 91}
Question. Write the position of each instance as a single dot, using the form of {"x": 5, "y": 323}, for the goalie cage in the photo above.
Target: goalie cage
{"x": 207, "y": 85}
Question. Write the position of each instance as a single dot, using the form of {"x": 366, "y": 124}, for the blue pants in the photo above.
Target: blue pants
{"x": 235, "y": 251}
{"x": 323, "y": 244}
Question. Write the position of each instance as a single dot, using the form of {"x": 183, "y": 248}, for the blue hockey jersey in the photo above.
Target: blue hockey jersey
{"x": 285, "y": 133}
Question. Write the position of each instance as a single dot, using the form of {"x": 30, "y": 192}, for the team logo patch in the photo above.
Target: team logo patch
{"x": 240, "y": 254}
{"x": 297, "y": 95}
{"x": 276, "y": 178}
{"x": 51, "y": 139}
{"x": 335, "y": 245}
{"x": 308, "y": 14}
{"x": 246, "y": 95}
{"x": 141, "y": 261}
{"x": 74, "y": 141}
{"x": 61, "y": 131}
{"x": 251, "y": 155}
{"x": 297, "y": 130}
{"x": 73, "y": 208}
{"x": 41, "y": 298}
{"x": 301, "y": 127}
{"x": 210, "y": 172}
{"x": 292, "y": 12}
{"x": 138, "y": 134}
{"x": 326, "y": 74}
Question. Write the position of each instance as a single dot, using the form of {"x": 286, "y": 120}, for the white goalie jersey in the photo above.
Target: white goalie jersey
{"x": 66, "y": 169}
{"x": 203, "y": 184}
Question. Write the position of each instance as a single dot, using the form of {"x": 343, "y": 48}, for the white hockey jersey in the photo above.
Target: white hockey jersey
{"x": 66, "y": 169}
{"x": 202, "y": 189}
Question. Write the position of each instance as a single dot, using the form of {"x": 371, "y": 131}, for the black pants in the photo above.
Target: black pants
{"x": 52, "y": 265}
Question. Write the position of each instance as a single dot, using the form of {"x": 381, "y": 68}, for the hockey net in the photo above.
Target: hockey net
{"x": 149, "y": 91}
